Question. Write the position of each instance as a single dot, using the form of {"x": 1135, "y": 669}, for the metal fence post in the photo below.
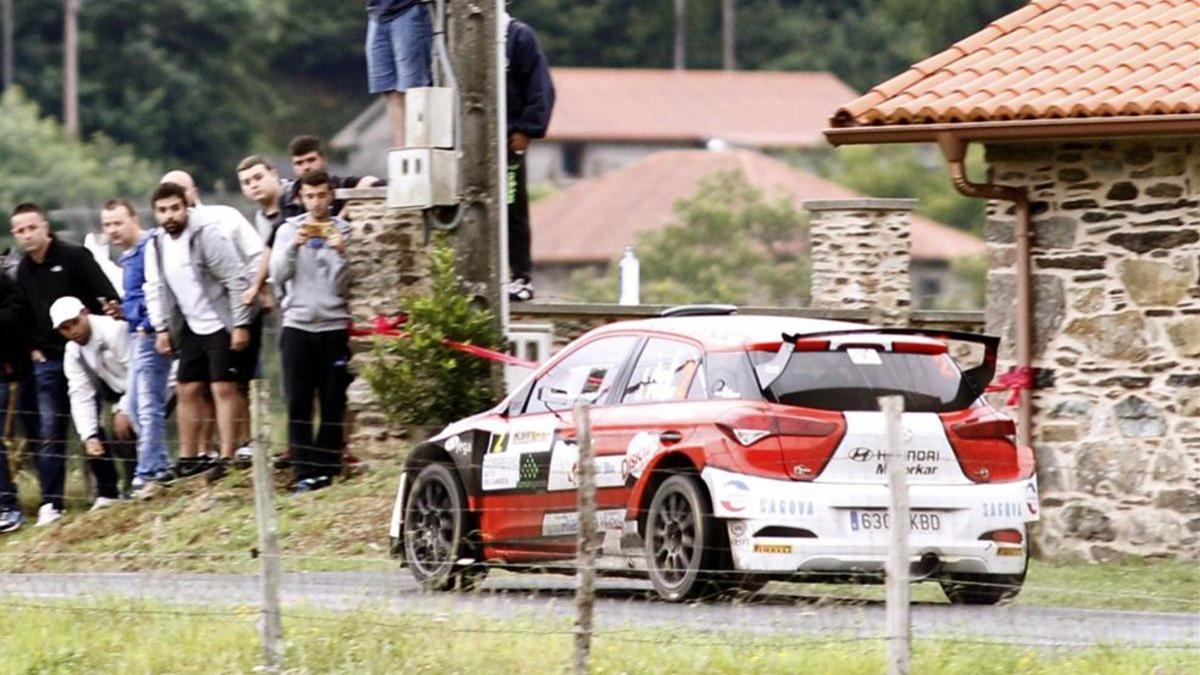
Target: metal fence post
{"x": 271, "y": 623}
{"x": 899, "y": 627}
{"x": 585, "y": 588}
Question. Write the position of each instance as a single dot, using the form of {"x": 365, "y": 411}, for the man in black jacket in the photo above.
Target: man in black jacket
{"x": 15, "y": 320}
{"x": 52, "y": 269}
{"x": 530, "y": 103}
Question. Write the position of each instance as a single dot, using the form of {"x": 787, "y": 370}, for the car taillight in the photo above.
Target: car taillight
{"x": 806, "y": 441}
{"x": 1004, "y": 536}
{"x": 993, "y": 428}
{"x": 985, "y": 447}
{"x": 918, "y": 348}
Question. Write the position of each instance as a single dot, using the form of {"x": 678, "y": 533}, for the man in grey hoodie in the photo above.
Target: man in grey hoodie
{"x": 312, "y": 276}
{"x": 195, "y": 278}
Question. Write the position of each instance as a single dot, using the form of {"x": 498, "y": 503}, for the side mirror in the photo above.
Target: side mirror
{"x": 555, "y": 399}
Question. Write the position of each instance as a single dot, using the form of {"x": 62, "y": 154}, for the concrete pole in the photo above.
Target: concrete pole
{"x": 473, "y": 32}
{"x": 729, "y": 34}
{"x": 6, "y": 9}
{"x": 680, "y": 34}
{"x": 899, "y": 631}
{"x": 71, "y": 67}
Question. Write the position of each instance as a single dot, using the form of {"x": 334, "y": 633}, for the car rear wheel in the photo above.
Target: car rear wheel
{"x": 681, "y": 541}
{"x": 436, "y": 531}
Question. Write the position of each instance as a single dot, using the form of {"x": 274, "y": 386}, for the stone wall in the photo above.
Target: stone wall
{"x": 389, "y": 264}
{"x": 1117, "y": 339}
{"x": 860, "y": 257}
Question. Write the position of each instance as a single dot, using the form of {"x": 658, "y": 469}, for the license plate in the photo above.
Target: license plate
{"x": 918, "y": 521}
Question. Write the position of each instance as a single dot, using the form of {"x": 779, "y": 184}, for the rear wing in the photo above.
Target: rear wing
{"x": 975, "y": 380}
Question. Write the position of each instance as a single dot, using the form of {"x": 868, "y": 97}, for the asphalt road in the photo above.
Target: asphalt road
{"x": 625, "y": 604}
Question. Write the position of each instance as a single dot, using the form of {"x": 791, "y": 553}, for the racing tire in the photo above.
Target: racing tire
{"x": 681, "y": 540}
{"x": 982, "y": 589}
{"x": 436, "y": 532}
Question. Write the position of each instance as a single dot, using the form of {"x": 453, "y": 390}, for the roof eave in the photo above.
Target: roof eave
{"x": 1021, "y": 130}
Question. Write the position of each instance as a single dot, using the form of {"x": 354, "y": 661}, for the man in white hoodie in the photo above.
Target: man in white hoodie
{"x": 96, "y": 363}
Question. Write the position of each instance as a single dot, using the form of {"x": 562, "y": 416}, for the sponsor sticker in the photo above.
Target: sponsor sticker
{"x": 785, "y": 507}
{"x": 773, "y": 548}
{"x": 735, "y": 496}
{"x": 564, "y": 468}
{"x": 1031, "y": 498}
{"x": 864, "y": 357}
{"x": 1010, "y": 551}
{"x": 455, "y": 445}
{"x": 642, "y": 447}
{"x": 1002, "y": 510}
{"x": 500, "y": 471}
{"x": 566, "y": 523}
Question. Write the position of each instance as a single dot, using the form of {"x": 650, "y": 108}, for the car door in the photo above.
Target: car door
{"x": 524, "y": 503}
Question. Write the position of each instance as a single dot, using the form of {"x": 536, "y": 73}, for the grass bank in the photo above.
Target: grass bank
{"x": 210, "y": 528}
{"x": 120, "y": 637}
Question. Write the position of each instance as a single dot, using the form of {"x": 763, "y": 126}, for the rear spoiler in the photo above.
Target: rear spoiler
{"x": 975, "y": 380}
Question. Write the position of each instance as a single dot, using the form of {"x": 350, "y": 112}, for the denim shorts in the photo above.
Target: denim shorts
{"x": 398, "y": 51}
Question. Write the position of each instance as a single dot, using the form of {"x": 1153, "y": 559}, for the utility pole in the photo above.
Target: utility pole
{"x": 729, "y": 34}
{"x": 71, "y": 67}
{"x": 680, "y": 34}
{"x": 6, "y": 8}
{"x": 476, "y": 47}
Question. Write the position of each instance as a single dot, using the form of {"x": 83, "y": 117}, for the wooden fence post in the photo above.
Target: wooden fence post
{"x": 271, "y": 622}
{"x": 899, "y": 627}
{"x": 585, "y": 575}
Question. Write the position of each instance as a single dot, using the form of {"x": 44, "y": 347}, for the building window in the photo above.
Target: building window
{"x": 572, "y": 159}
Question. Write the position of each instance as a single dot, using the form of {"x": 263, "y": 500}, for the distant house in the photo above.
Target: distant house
{"x": 607, "y": 118}
{"x": 589, "y": 224}
{"x": 1090, "y": 111}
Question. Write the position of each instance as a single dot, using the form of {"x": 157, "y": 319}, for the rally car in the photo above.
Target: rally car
{"x": 731, "y": 450}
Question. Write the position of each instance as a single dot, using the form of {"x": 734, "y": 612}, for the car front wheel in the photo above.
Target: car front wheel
{"x": 435, "y": 530}
{"x": 681, "y": 541}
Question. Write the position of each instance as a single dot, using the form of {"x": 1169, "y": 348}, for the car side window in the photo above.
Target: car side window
{"x": 588, "y": 373}
{"x": 664, "y": 371}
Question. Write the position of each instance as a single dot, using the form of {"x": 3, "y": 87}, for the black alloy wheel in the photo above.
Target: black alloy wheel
{"x": 681, "y": 540}
{"x": 435, "y": 530}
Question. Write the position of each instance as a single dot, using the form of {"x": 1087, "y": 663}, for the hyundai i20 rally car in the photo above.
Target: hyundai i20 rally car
{"x": 731, "y": 450}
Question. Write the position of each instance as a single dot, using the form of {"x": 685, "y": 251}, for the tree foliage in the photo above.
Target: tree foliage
{"x": 730, "y": 244}
{"x": 39, "y": 163}
{"x": 420, "y": 381}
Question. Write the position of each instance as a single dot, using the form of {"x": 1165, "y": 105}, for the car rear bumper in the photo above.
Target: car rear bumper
{"x": 783, "y": 526}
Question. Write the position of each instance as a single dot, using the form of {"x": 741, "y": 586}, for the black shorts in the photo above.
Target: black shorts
{"x": 253, "y": 369}
{"x": 208, "y": 358}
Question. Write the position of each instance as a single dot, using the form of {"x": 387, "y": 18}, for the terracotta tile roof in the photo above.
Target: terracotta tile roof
{"x": 757, "y": 109}
{"x": 1051, "y": 59}
{"x": 594, "y": 220}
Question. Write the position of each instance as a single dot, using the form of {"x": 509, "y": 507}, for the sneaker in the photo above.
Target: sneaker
{"x": 102, "y": 503}
{"x": 164, "y": 477}
{"x": 11, "y": 520}
{"x": 311, "y": 484}
{"x": 243, "y": 457}
{"x": 47, "y": 514}
{"x": 137, "y": 483}
{"x": 190, "y": 467}
{"x": 217, "y": 469}
{"x": 283, "y": 460}
{"x": 520, "y": 289}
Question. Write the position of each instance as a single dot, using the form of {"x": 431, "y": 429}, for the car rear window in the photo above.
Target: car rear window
{"x": 854, "y": 379}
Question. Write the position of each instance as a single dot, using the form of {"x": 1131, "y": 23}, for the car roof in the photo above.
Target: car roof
{"x": 736, "y": 330}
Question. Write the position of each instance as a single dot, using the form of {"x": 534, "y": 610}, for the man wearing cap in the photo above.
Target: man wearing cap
{"x": 96, "y": 362}
{"x": 52, "y": 269}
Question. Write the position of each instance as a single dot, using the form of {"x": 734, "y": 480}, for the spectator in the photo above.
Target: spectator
{"x": 230, "y": 222}
{"x": 96, "y": 363}
{"x": 399, "y": 42}
{"x": 15, "y": 321}
{"x": 530, "y": 103}
{"x": 194, "y": 284}
{"x": 307, "y": 156}
{"x": 261, "y": 184}
{"x": 312, "y": 277}
{"x": 148, "y": 370}
{"x": 52, "y": 269}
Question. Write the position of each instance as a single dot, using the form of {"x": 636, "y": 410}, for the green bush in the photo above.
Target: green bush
{"x": 418, "y": 380}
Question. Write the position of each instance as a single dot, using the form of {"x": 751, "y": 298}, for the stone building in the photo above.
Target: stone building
{"x": 1090, "y": 109}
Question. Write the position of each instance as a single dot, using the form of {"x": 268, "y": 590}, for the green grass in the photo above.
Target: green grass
{"x": 211, "y": 528}
{"x": 106, "y": 636}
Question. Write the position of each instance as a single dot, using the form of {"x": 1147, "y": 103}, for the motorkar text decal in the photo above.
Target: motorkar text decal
{"x": 920, "y": 462}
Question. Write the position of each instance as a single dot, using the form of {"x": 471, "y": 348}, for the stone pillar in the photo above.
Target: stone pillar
{"x": 860, "y": 257}
{"x": 389, "y": 263}
{"x": 1116, "y": 426}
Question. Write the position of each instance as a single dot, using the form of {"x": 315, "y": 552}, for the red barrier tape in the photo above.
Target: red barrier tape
{"x": 390, "y": 327}
{"x": 1016, "y": 380}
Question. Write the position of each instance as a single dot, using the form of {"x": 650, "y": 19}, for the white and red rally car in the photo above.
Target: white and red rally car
{"x": 731, "y": 450}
